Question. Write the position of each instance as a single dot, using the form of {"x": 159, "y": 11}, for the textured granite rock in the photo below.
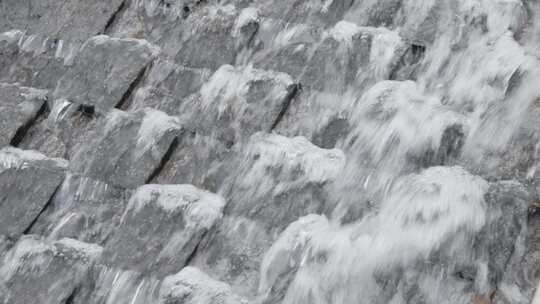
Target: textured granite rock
{"x": 38, "y": 271}
{"x": 19, "y": 107}
{"x": 34, "y": 60}
{"x": 234, "y": 98}
{"x": 127, "y": 148}
{"x": 72, "y": 19}
{"x": 194, "y": 34}
{"x": 198, "y": 160}
{"x": 84, "y": 209}
{"x": 103, "y": 71}
{"x": 62, "y": 128}
{"x": 167, "y": 86}
{"x": 28, "y": 180}
{"x": 163, "y": 223}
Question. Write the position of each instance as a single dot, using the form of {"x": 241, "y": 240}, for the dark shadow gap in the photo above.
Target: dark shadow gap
{"x": 43, "y": 210}
{"x": 22, "y": 131}
{"x": 164, "y": 160}
{"x": 125, "y": 101}
{"x": 113, "y": 18}
{"x": 286, "y": 104}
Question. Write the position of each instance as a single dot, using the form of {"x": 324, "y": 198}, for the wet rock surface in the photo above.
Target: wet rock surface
{"x": 163, "y": 223}
{"x": 29, "y": 181}
{"x": 38, "y": 271}
{"x": 117, "y": 63}
{"x": 256, "y": 151}
{"x": 20, "y": 106}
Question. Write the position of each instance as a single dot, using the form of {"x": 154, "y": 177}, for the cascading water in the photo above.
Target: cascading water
{"x": 359, "y": 151}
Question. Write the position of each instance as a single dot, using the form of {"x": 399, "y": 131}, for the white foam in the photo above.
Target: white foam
{"x": 200, "y": 208}
{"x": 154, "y": 124}
{"x": 247, "y": 15}
{"x": 316, "y": 164}
{"x": 16, "y": 158}
{"x": 344, "y": 31}
{"x": 227, "y": 89}
{"x": 392, "y": 121}
{"x": 194, "y": 286}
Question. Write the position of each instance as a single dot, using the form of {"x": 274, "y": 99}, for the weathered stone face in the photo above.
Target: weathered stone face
{"x": 198, "y": 159}
{"x": 167, "y": 86}
{"x": 233, "y": 98}
{"x": 127, "y": 148}
{"x": 19, "y": 106}
{"x": 164, "y": 223}
{"x": 83, "y": 208}
{"x": 103, "y": 71}
{"x": 61, "y": 129}
{"x": 34, "y": 60}
{"x": 29, "y": 180}
{"x": 38, "y": 271}
{"x": 73, "y": 19}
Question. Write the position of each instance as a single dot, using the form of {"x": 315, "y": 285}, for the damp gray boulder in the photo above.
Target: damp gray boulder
{"x": 84, "y": 209}
{"x": 358, "y": 57}
{"x": 511, "y": 262}
{"x": 233, "y": 99}
{"x": 355, "y": 56}
{"x": 167, "y": 86}
{"x": 127, "y": 148}
{"x": 292, "y": 176}
{"x": 28, "y": 179}
{"x": 38, "y": 271}
{"x": 34, "y": 60}
{"x": 218, "y": 116}
{"x": 73, "y": 19}
{"x": 344, "y": 52}
{"x": 192, "y": 286}
{"x": 285, "y": 48}
{"x": 197, "y": 159}
{"x": 104, "y": 70}
{"x": 194, "y": 34}
{"x": 161, "y": 228}
{"x": 522, "y": 271}
{"x": 214, "y": 36}
{"x": 61, "y": 129}
{"x": 19, "y": 106}
{"x": 507, "y": 203}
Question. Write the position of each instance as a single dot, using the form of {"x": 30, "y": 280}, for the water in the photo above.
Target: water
{"x": 421, "y": 109}
{"x": 421, "y": 222}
